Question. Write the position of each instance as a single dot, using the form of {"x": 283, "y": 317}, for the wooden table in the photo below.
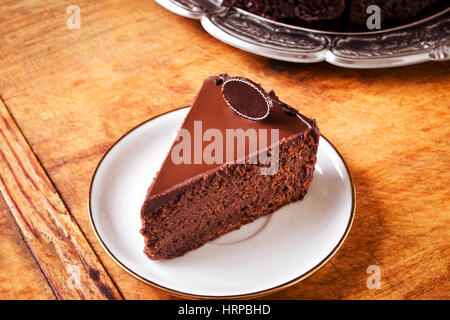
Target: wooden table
{"x": 68, "y": 95}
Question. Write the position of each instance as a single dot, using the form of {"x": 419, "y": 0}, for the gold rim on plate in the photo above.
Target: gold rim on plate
{"x": 241, "y": 296}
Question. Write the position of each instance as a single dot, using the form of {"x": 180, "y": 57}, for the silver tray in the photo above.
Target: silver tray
{"x": 424, "y": 40}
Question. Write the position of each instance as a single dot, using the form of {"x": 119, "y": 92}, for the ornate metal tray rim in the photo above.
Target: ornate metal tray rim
{"x": 421, "y": 41}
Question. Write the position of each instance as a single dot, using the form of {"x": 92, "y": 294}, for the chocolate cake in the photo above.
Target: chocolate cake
{"x": 322, "y": 10}
{"x": 193, "y": 199}
{"x": 287, "y": 9}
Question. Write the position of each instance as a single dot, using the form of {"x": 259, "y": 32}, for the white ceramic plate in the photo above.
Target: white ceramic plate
{"x": 264, "y": 256}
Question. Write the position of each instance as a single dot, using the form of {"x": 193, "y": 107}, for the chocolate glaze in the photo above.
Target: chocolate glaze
{"x": 211, "y": 108}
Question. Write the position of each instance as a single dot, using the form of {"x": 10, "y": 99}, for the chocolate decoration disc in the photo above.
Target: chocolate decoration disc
{"x": 246, "y": 98}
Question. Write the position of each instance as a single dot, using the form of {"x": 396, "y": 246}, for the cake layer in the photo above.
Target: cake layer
{"x": 234, "y": 195}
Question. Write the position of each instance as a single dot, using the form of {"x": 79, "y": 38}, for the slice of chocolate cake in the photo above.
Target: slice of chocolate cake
{"x": 240, "y": 154}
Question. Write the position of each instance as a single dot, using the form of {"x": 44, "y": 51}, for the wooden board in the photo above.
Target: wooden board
{"x": 29, "y": 282}
{"x": 73, "y": 93}
{"x": 53, "y": 237}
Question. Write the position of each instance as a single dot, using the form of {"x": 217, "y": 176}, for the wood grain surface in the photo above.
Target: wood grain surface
{"x": 20, "y": 276}
{"x": 73, "y": 93}
{"x": 61, "y": 250}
